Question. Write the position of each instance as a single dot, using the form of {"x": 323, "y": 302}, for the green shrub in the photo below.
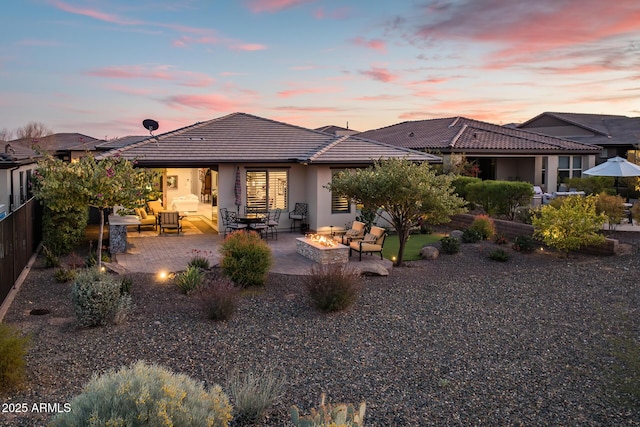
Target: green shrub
{"x": 146, "y": 395}
{"x": 525, "y": 244}
{"x": 591, "y": 185}
{"x": 97, "y": 298}
{"x": 190, "y": 279}
{"x": 450, "y": 245}
{"x": 499, "y": 255}
{"x": 62, "y": 231}
{"x": 471, "y": 236}
{"x": 484, "y": 225}
{"x": 499, "y": 239}
{"x": 64, "y": 275}
{"x": 246, "y": 259}
{"x": 460, "y": 184}
{"x": 13, "y": 349}
{"x": 252, "y": 394}
{"x": 611, "y": 206}
{"x": 571, "y": 226}
{"x": 524, "y": 214}
{"x": 500, "y": 197}
{"x": 51, "y": 260}
{"x": 219, "y": 298}
{"x": 125, "y": 285}
{"x": 332, "y": 287}
{"x": 199, "y": 259}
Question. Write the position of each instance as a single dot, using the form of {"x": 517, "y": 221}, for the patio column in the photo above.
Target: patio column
{"x": 552, "y": 174}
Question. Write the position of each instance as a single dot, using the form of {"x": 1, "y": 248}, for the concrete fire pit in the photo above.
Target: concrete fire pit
{"x": 318, "y": 250}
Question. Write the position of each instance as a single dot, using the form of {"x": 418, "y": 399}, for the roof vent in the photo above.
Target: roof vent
{"x": 8, "y": 149}
{"x": 411, "y": 135}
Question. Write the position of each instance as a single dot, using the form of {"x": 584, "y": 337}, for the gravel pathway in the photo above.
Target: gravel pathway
{"x": 461, "y": 340}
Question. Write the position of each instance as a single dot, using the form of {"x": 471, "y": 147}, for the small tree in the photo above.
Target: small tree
{"x": 407, "y": 191}
{"x": 571, "y": 225}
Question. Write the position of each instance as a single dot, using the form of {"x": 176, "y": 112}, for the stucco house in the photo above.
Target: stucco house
{"x": 617, "y": 135}
{"x": 16, "y": 167}
{"x": 501, "y": 153}
{"x": 277, "y": 164}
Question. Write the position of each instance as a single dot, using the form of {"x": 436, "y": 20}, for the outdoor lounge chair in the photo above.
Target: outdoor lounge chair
{"x": 169, "y": 220}
{"x": 155, "y": 206}
{"x": 146, "y": 219}
{"x": 355, "y": 232}
{"x": 371, "y": 243}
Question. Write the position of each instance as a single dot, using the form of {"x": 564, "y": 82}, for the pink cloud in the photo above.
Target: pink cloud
{"x": 380, "y": 74}
{"x": 93, "y": 13}
{"x": 523, "y": 32}
{"x": 271, "y": 6}
{"x": 163, "y": 72}
{"x": 375, "y": 44}
{"x": 213, "y": 102}
{"x": 310, "y": 109}
{"x": 127, "y": 90}
{"x": 294, "y": 91}
{"x": 375, "y": 98}
{"x": 250, "y": 47}
{"x": 187, "y": 40}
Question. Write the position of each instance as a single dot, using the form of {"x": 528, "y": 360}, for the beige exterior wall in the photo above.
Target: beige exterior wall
{"x": 5, "y": 186}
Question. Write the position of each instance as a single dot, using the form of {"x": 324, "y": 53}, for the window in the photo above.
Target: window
{"x": 569, "y": 167}
{"x": 267, "y": 189}
{"x": 29, "y": 185}
{"x": 339, "y": 204}
{"x": 23, "y": 193}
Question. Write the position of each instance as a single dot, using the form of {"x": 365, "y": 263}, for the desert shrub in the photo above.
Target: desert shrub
{"x": 499, "y": 255}
{"x": 500, "y": 197}
{"x": 332, "y": 287}
{"x": 471, "y": 236}
{"x": 125, "y": 285}
{"x": 51, "y": 260}
{"x": 329, "y": 415}
{"x": 524, "y": 214}
{"x": 199, "y": 259}
{"x": 64, "y": 275}
{"x": 97, "y": 298}
{"x": 484, "y": 225}
{"x": 611, "y": 206}
{"x": 499, "y": 239}
{"x": 219, "y": 298}
{"x": 573, "y": 225}
{"x": 254, "y": 393}
{"x": 460, "y": 184}
{"x": 13, "y": 349}
{"x": 525, "y": 244}
{"x": 450, "y": 245}
{"x": 146, "y": 395}
{"x": 189, "y": 280}
{"x": 592, "y": 185}
{"x": 62, "y": 231}
{"x": 246, "y": 259}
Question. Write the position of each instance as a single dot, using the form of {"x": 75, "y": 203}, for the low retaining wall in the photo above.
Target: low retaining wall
{"x": 510, "y": 230}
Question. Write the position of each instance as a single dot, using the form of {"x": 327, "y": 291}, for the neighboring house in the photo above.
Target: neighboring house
{"x": 501, "y": 153}
{"x": 617, "y": 135}
{"x": 276, "y": 164}
{"x": 65, "y": 146}
{"x": 16, "y": 167}
{"x": 337, "y": 130}
{"x": 119, "y": 142}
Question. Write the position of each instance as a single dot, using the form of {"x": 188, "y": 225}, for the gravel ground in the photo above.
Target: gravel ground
{"x": 461, "y": 340}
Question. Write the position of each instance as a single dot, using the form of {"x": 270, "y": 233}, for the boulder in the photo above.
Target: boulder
{"x": 372, "y": 269}
{"x": 429, "y": 252}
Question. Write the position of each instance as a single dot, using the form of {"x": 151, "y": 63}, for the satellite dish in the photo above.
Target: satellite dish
{"x": 150, "y": 125}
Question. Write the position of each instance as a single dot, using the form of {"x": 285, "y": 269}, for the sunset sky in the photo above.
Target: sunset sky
{"x": 99, "y": 67}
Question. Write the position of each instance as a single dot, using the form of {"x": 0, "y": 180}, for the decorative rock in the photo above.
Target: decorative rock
{"x": 429, "y": 252}
{"x": 372, "y": 269}
{"x": 456, "y": 233}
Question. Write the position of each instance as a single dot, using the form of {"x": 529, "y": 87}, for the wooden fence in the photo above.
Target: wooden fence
{"x": 20, "y": 234}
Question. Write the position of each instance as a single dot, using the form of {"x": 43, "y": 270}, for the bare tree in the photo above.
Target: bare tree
{"x": 33, "y": 130}
{"x": 6, "y": 134}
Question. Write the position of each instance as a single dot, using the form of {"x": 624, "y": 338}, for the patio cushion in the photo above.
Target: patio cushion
{"x": 366, "y": 247}
{"x": 142, "y": 213}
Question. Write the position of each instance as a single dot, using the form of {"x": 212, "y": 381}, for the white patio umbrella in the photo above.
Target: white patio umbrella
{"x": 616, "y": 166}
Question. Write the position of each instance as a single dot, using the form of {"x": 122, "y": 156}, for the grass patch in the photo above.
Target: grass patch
{"x": 412, "y": 248}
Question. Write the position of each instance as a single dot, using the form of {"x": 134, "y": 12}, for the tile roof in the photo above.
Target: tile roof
{"x": 13, "y": 153}
{"x": 462, "y": 135}
{"x": 120, "y": 142}
{"x": 61, "y": 142}
{"x": 244, "y": 138}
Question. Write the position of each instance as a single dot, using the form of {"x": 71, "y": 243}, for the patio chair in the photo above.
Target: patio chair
{"x": 169, "y": 220}
{"x": 146, "y": 219}
{"x": 230, "y": 221}
{"x": 273, "y": 220}
{"x": 371, "y": 243}
{"x": 261, "y": 226}
{"x": 299, "y": 213}
{"x": 355, "y": 232}
{"x": 155, "y": 206}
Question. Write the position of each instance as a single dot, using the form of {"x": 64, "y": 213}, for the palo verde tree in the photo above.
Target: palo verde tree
{"x": 409, "y": 193}
{"x": 102, "y": 184}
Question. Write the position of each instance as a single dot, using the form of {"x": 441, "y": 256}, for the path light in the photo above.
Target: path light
{"x": 393, "y": 259}
{"x": 162, "y": 275}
